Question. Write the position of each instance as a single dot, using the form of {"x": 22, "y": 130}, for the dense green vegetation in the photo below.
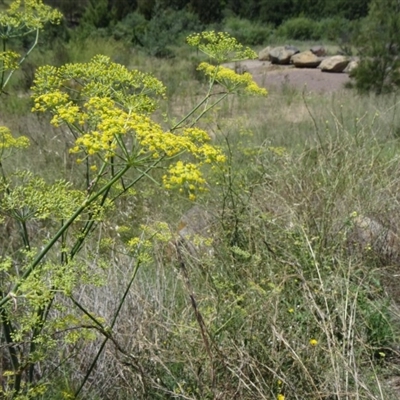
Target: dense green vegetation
{"x": 126, "y": 274}
{"x": 267, "y": 11}
{"x": 148, "y": 23}
{"x": 379, "y": 70}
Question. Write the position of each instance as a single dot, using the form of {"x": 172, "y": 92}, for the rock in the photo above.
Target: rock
{"x": 292, "y": 48}
{"x": 319, "y": 51}
{"x": 263, "y": 55}
{"x": 281, "y": 55}
{"x": 370, "y": 235}
{"x": 306, "y": 59}
{"x": 353, "y": 64}
{"x": 334, "y": 64}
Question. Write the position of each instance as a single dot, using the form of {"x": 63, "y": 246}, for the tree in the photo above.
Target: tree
{"x": 97, "y": 14}
{"x": 208, "y": 10}
{"x": 276, "y": 11}
{"x": 379, "y": 46}
{"x": 71, "y": 9}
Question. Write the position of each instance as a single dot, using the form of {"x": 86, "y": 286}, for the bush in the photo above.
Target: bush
{"x": 379, "y": 68}
{"x": 158, "y": 35}
{"x": 336, "y": 28}
{"x": 300, "y": 28}
{"x": 251, "y": 33}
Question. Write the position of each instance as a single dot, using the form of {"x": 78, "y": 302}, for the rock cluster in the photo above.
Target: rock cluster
{"x": 314, "y": 58}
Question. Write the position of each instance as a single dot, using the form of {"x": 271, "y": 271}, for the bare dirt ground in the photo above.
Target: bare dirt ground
{"x": 277, "y": 76}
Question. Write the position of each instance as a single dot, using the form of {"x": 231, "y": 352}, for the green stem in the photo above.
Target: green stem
{"x": 204, "y": 101}
{"x": 21, "y": 223}
{"x": 143, "y": 174}
{"x": 86, "y": 230}
{"x": 4, "y": 83}
{"x": 90, "y": 224}
{"x": 42, "y": 315}
{"x": 24, "y": 234}
{"x": 191, "y": 112}
{"x": 3, "y": 71}
{"x": 8, "y": 331}
{"x": 89, "y": 315}
{"x": 206, "y": 109}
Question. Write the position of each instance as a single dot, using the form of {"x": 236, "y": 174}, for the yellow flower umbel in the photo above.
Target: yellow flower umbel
{"x": 9, "y": 142}
{"x": 109, "y": 107}
{"x": 9, "y": 60}
{"x": 220, "y": 47}
{"x": 232, "y": 81}
{"x": 25, "y": 16}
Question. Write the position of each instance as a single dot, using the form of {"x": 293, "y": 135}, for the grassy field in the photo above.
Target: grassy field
{"x": 269, "y": 294}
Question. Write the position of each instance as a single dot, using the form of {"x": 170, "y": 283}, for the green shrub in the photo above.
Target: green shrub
{"x": 158, "y": 35}
{"x": 300, "y": 28}
{"x": 379, "y": 67}
{"x": 249, "y": 32}
{"x": 336, "y": 28}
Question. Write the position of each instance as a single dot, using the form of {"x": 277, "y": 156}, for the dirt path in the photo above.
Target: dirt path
{"x": 275, "y": 76}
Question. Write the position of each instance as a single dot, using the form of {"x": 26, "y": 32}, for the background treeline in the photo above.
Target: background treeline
{"x": 158, "y": 25}
{"x": 209, "y": 11}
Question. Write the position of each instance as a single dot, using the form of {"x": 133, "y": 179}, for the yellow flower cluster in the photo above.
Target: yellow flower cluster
{"x": 8, "y": 141}
{"x": 112, "y": 116}
{"x": 99, "y": 78}
{"x": 192, "y": 140}
{"x": 220, "y": 46}
{"x": 232, "y": 81}
{"x": 9, "y": 60}
{"x": 51, "y": 100}
{"x": 185, "y": 176}
{"x": 24, "y": 16}
{"x": 106, "y": 122}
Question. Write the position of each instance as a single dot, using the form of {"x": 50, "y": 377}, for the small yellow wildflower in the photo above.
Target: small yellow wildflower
{"x": 313, "y": 342}
{"x": 291, "y": 310}
{"x": 280, "y": 397}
